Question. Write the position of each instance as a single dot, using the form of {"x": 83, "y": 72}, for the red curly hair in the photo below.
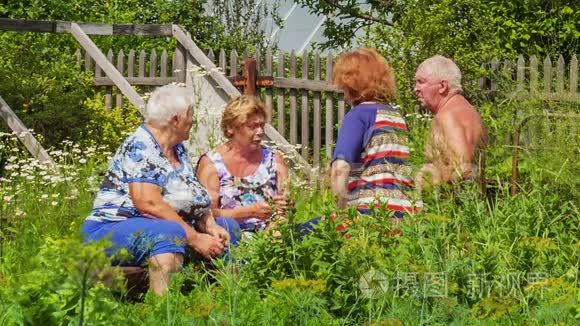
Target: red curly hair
{"x": 364, "y": 75}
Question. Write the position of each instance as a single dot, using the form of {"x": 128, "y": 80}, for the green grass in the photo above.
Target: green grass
{"x": 510, "y": 260}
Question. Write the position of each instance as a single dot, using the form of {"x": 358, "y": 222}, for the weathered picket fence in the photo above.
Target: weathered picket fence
{"x": 300, "y": 99}
{"x": 142, "y": 69}
{"x": 303, "y": 106}
{"x": 548, "y": 80}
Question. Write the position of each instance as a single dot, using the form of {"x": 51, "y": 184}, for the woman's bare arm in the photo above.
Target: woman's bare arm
{"x": 148, "y": 200}
{"x": 339, "y": 173}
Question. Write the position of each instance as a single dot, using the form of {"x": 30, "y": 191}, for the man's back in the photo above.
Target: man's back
{"x": 456, "y": 134}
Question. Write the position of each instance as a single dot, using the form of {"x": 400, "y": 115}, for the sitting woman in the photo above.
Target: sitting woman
{"x": 369, "y": 168}
{"x": 242, "y": 175}
{"x": 151, "y": 202}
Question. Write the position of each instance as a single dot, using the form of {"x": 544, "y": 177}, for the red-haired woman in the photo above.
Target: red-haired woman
{"x": 369, "y": 168}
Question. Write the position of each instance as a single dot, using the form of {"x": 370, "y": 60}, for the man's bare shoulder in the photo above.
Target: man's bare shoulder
{"x": 459, "y": 111}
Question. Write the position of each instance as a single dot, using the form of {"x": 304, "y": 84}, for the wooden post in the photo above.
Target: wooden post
{"x": 533, "y": 74}
{"x": 316, "y": 113}
{"x": 521, "y": 71}
{"x": 293, "y": 102}
{"x": 494, "y": 76}
{"x": 107, "y": 67}
{"x": 163, "y": 64}
{"x": 109, "y": 89}
{"x": 280, "y": 97}
{"x": 547, "y": 76}
{"x": 329, "y": 121}
{"x": 179, "y": 63}
{"x": 573, "y": 75}
{"x": 23, "y": 134}
{"x": 560, "y": 75}
{"x": 233, "y": 63}
{"x": 153, "y": 64}
{"x": 250, "y": 75}
{"x": 269, "y": 92}
{"x": 222, "y": 61}
{"x": 121, "y": 68}
{"x": 304, "y": 125}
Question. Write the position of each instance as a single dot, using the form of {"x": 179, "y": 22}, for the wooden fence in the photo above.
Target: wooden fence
{"x": 302, "y": 105}
{"x": 548, "y": 80}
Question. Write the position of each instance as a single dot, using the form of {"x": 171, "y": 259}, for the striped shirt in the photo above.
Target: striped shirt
{"x": 373, "y": 140}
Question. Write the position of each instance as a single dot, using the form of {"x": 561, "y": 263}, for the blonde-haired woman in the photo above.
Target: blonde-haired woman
{"x": 242, "y": 174}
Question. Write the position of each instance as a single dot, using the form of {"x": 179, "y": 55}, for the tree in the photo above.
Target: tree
{"x": 49, "y": 93}
{"x": 242, "y": 23}
{"x": 470, "y": 31}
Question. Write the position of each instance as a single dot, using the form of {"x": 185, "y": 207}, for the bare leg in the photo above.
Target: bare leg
{"x": 160, "y": 268}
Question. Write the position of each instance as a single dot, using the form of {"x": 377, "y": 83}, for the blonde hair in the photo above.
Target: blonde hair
{"x": 364, "y": 75}
{"x": 239, "y": 110}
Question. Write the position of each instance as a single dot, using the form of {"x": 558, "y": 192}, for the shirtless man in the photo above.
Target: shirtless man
{"x": 456, "y": 130}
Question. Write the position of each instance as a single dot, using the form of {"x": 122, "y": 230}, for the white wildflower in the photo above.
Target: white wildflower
{"x": 8, "y": 198}
{"x": 82, "y": 161}
{"x": 54, "y": 203}
{"x": 44, "y": 196}
{"x": 15, "y": 149}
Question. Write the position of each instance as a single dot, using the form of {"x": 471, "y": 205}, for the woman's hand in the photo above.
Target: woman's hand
{"x": 219, "y": 232}
{"x": 261, "y": 210}
{"x": 206, "y": 245}
{"x": 282, "y": 205}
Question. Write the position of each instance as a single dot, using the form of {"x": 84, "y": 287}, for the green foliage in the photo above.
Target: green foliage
{"x": 109, "y": 128}
{"x": 53, "y": 96}
{"x": 62, "y": 286}
{"x": 508, "y": 260}
{"x": 239, "y": 24}
{"x": 471, "y": 32}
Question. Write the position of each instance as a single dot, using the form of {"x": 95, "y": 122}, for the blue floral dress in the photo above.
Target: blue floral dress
{"x": 140, "y": 160}
{"x": 245, "y": 191}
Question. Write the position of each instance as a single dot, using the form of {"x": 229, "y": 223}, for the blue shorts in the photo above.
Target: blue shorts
{"x": 142, "y": 237}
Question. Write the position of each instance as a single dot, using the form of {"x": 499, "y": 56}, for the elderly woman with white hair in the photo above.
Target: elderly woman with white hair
{"x": 151, "y": 202}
